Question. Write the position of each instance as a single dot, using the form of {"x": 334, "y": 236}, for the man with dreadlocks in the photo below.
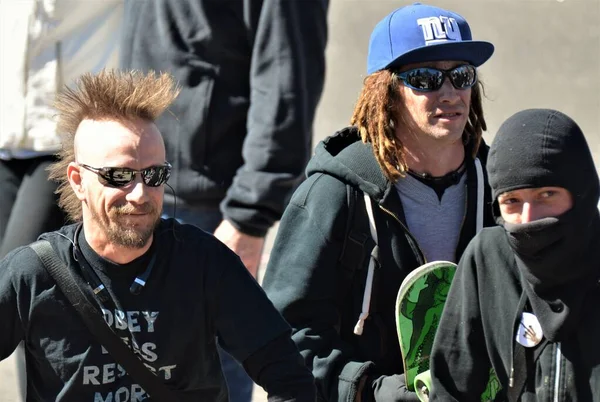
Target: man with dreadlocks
{"x": 414, "y": 154}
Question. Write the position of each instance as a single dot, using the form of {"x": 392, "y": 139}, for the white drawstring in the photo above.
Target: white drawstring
{"x": 480, "y": 195}
{"x": 358, "y": 328}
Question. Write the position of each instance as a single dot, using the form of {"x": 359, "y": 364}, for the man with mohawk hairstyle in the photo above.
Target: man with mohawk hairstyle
{"x": 162, "y": 287}
{"x": 414, "y": 155}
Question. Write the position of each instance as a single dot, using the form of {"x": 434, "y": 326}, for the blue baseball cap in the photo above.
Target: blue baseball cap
{"x": 419, "y": 33}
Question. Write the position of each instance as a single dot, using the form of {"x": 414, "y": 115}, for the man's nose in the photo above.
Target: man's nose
{"x": 527, "y": 214}
{"x": 138, "y": 192}
{"x": 447, "y": 92}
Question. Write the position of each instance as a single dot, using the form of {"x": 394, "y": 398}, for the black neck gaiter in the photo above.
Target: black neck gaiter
{"x": 557, "y": 269}
{"x": 552, "y": 251}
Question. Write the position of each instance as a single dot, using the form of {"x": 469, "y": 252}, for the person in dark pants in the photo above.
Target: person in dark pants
{"x": 240, "y": 134}
{"x": 28, "y": 205}
{"x": 50, "y": 44}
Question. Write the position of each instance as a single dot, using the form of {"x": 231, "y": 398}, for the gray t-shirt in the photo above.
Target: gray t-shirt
{"x": 435, "y": 224}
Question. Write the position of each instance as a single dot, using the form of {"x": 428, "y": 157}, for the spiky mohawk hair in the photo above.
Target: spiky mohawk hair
{"x": 115, "y": 95}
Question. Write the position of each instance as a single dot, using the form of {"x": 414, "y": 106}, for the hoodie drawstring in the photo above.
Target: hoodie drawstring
{"x": 374, "y": 259}
{"x": 480, "y": 195}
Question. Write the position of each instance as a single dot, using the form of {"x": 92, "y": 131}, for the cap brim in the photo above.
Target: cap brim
{"x": 474, "y": 52}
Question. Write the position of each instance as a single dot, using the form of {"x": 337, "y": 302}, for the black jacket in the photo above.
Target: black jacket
{"x": 303, "y": 276}
{"x": 478, "y": 327}
{"x": 198, "y": 289}
{"x": 251, "y": 73}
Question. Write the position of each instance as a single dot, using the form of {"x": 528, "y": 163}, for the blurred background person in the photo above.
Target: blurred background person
{"x": 240, "y": 132}
{"x": 44, "y": 44}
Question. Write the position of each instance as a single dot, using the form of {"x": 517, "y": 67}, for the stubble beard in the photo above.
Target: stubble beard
{"x": 118, "y": 233}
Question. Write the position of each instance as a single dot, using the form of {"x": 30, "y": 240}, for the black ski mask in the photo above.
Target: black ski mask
{"x": 545, "y": 148}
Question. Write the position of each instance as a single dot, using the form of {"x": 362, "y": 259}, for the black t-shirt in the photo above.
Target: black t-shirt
{"x": 198, "y": 290}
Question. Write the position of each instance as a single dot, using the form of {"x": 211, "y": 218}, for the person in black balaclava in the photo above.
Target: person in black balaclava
{"x": 525, "y": 299}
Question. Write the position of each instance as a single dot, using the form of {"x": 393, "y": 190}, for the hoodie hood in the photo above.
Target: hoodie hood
{"x": 345, "y": 157}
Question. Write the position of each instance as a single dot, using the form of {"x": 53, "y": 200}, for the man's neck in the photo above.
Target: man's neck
{"x": 434, "y": 159}
{"x": 110, "y": 251}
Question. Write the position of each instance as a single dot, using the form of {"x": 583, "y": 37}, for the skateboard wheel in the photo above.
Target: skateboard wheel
{"x": 423, "y": 385}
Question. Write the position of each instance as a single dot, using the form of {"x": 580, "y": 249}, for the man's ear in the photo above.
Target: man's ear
{"x": 75, "y": 180}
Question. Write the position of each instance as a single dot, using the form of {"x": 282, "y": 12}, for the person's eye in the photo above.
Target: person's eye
{"x": 509, "y": 201}
{"x": 549, "y": 193}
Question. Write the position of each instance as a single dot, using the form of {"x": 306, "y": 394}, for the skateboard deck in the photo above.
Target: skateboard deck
{"x": 419, "y": 307}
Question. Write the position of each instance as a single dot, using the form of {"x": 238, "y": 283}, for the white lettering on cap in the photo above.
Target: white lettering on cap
{"x": 439, "y": 29}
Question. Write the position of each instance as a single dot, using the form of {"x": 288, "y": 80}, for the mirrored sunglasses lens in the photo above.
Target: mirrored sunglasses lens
{"x": 155, "y": 176}
{"x": 119, "y": 177}
{"x": 425, "y": 79}
{"x": 463, "y": 77}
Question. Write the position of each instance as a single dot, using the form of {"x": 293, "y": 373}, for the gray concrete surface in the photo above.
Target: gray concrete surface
{"x": 547, "y": 55}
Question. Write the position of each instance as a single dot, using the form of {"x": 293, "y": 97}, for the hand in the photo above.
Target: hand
{"x": 393, "y": 389}
{"x": 248, "y": 248}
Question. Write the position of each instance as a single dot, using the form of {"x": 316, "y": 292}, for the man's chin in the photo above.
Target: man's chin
{"x": 134, "y": 235}
{"x": 130, "y": 239}
{"x": 450, "y": 134}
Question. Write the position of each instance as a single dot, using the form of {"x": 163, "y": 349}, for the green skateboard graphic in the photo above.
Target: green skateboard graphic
{"x": 419, "y": 307}
{"x": 493, "y": 387}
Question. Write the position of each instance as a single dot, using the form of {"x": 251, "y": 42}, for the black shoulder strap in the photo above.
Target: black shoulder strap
{"x": 358, "y": 243}
{"x": 97, "y": 326}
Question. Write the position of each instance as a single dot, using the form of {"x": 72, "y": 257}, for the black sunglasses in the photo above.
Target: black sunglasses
{"x": 428, "y": 79}
{"x": 152, "y": 176}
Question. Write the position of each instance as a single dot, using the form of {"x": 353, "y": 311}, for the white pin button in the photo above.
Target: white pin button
{"x": 529, "y": 332}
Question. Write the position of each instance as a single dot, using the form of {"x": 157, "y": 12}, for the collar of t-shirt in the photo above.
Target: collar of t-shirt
{"x": 110, "y": 268}
{"x": 439, "y": 184}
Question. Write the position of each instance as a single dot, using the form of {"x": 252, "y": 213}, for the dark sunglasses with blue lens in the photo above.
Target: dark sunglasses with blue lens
{"x": 428, "y": 79}
{"x": 152, "y": 176}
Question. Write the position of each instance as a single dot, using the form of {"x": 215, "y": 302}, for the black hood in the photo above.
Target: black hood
{"x": 344, "y": 156}
{"x": 543, "y": 148}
